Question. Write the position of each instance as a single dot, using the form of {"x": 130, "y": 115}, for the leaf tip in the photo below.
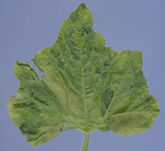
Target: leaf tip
{"x": 82, "y": 6}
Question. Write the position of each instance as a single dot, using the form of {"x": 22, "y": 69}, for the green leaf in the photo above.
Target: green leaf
{"x": 86, "y": 86}
{"x": 34, "y": 110}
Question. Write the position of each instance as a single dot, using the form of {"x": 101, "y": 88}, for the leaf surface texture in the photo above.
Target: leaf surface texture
{"x": 86, "y": 86}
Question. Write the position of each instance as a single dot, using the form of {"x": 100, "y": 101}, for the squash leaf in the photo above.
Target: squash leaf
{"x": 86, "y": 86}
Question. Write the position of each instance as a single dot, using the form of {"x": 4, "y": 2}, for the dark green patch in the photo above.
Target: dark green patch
{"x": 106, "y": 63}
{"x": 104, "y": 74}
{"x": 60, "y": 63}
{"x": 106, "y": 99}
{"x": 85, "y": 30}
{"x": 74, "y": 16}
{"x": 27, "y": 129}
{"x": 21, "y": 104}
{"x": 41, "y": 101}
{"x": 98, "y": 70}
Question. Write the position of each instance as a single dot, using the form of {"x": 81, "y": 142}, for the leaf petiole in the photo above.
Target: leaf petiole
{"x": 86, "y": 142}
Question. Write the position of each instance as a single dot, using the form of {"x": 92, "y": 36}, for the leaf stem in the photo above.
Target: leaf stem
{"x": 86, "y": 142}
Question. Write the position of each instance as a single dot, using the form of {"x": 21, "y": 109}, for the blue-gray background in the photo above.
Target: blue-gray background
{"x": 27, "y": 26}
